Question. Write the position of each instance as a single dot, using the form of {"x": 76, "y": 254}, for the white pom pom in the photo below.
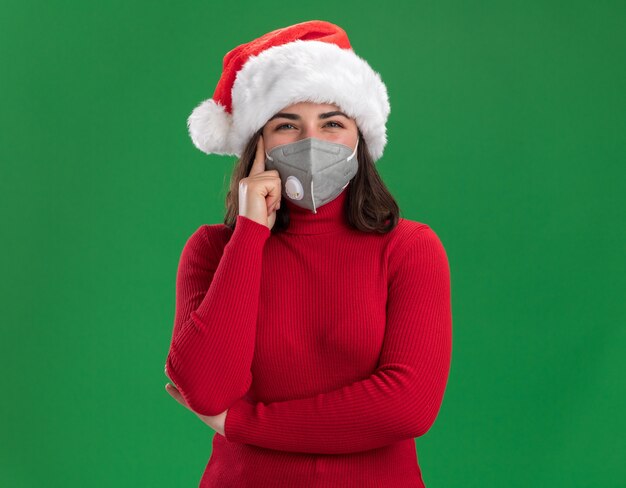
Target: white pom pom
{"x": 209, "y": 126}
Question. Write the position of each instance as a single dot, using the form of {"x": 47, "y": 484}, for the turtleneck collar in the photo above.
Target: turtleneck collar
{"x": 330, "y": 217}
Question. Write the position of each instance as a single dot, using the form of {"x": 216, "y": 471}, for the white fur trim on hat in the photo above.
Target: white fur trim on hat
{"x": 298, "y": 71}
{"x": 210, "y": 128}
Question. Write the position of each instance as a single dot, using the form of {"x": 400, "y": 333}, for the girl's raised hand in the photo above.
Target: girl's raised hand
{"x": 260, "y": 191}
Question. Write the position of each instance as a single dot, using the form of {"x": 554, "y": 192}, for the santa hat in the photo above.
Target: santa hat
{"x": 310, "y": 61}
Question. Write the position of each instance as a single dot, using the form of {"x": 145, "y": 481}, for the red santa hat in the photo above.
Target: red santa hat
{"x": 310, "y": 61}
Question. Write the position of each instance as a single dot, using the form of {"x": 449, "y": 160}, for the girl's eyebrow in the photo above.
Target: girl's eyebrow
{"x": 326, "y": 115}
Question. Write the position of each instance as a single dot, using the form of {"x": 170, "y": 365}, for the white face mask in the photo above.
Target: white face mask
{"x": 313, "y": 171}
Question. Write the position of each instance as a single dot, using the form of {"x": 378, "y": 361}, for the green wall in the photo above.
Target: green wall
{"x": 506, "y": 136}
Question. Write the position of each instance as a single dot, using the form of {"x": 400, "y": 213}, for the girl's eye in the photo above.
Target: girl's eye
{"x": 282, "y": 125}
{"x": 337, "y": 124}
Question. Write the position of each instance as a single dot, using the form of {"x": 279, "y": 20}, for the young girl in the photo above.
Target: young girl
{"x": 313, "y": 328}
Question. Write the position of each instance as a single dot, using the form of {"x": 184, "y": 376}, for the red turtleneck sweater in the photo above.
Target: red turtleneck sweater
{"x": 329, "y": 347}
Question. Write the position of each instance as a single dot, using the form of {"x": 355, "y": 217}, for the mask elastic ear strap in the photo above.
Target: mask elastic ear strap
{"x": 354, "y": 152}
{"x": 268, "y": 156}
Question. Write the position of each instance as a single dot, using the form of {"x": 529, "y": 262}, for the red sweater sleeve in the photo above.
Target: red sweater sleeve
{"x": 217, "y": 301}
{"x": 401, "y": 399}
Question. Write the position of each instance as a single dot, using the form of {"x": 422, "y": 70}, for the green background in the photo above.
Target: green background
{"x": 506, "y": 136}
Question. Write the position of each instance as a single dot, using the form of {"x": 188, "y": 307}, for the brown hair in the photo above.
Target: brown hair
{"x": 370, "y": 207}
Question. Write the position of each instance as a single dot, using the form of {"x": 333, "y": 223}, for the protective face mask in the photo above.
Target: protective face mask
{"x": 313, "y": 171}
